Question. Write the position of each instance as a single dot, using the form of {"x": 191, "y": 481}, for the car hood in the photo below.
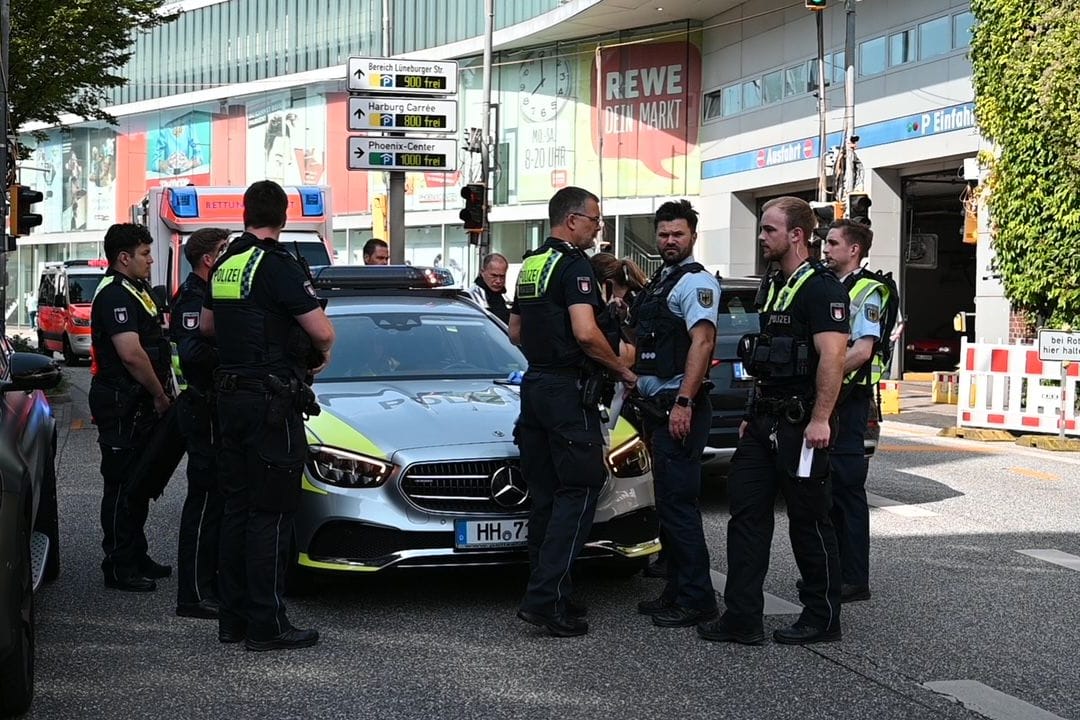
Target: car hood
{"x": 393, "y": 416}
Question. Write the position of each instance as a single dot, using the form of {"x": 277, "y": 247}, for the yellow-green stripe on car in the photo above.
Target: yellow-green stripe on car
{"x": 326, "y": 428}
{"x": 305, "y": 560}
{"x": 622, "y": 432}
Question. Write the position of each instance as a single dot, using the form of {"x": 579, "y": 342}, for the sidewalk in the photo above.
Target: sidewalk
{"x": 917, "y": 407}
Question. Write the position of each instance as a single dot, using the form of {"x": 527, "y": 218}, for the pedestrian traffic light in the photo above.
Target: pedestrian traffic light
{"x": 826, "y": 213}
{"x": 815, "y": 4}
{"x": 859, "y": 207}
{"x": 475, "y": 195}
{"x": 22, "y": 199}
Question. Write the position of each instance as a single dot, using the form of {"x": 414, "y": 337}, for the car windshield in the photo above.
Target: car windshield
{"x": 737, "y": 314}
{"x": 403, "y": 345}
{"x": 81, "y": 288}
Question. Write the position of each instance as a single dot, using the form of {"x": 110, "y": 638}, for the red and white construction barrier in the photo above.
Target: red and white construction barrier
{"x": 1006, "y": 387}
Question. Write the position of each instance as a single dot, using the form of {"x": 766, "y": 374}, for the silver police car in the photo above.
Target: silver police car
{"x": 412, "y": 461}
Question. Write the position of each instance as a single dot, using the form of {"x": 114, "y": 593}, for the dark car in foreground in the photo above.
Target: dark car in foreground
{"x": 29, "y": 527}
{"x": 412, "y": 460}
{"x": 732, "y": 384}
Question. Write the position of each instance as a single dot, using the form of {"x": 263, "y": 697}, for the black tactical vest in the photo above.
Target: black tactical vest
{"x": 662, "y": 339}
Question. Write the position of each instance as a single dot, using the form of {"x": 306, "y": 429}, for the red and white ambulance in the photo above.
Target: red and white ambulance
{"x": 173, "y": 213}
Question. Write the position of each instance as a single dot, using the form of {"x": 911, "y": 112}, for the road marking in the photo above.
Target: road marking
{"x": 992, "y": 703}
{"x": 1035, "y": 473}
{"x": 1056, "y": 557}
{"x": 897, "y": 508}
{"x": 773, "y": 605}
{"x": 934, "y": 448}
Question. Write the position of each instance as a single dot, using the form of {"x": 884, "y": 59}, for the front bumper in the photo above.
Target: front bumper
{"x": 80, "y": 343}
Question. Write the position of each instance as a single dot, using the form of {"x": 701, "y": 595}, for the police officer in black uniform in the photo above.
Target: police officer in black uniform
{"x": 674, "y": 322}
{"x": 194, "y": 359}
{"x": 553, "y": 319}
{"x": 128, "y": 391}
{"x": 271, "y": 331}
{"x": 798, "y": 360}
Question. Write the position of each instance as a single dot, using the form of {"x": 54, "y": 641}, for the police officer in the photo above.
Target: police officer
{"x": 846, "y": 245}
{"x": 127, "y": 391}
{"x": 674, "y": 321}
{"x": 194, "y": 360}
{"x": 267, "y": 319}
{"x": 553, "y": 319}
{"x": 798, "y": 360}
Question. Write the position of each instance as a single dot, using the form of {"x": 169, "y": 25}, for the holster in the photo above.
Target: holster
{"x": 648, "y": 408}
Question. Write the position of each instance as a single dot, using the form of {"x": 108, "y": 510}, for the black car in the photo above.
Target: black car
{"x": 732, "y": 384}
{"x": 29, "y": 529}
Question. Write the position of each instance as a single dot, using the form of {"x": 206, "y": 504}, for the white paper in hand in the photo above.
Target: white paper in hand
{"x": 616, "y": 406}
{"x": 806, "y": 459}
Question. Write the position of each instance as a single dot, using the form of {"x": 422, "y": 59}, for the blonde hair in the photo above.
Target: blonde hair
{"x": 797, "y": 214}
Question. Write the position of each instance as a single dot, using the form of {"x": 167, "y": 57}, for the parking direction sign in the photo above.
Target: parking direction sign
{"x": 402, "y": 77}
{"x": 391, "y": 114}
{"x": 402, "y": 153}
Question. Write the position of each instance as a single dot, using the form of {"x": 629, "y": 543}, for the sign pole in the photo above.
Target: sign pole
{"x": 1061, "y": 417}
{"x": 395, "y": 216}
{"x": 484, "y": 245}
{"x": 821, "y": 193}
{"x": 849, "y": 100}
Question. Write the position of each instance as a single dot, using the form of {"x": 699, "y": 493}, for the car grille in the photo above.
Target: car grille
{"x": 456, "y": 487}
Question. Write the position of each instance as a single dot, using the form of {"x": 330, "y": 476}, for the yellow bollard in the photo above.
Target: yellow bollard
{"x": 939, "y": 388}
{"x": 953, "y": 395}
{"x": 890, "y": 397}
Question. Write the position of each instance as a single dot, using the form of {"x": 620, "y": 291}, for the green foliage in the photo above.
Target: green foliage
{"x": 1026, "y": 72}
{"x": 65, "y": 54}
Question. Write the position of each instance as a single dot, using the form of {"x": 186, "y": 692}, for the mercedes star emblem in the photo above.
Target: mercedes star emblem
{"x": 508, "y": 487}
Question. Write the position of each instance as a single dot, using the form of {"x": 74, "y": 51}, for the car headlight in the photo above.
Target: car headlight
{"x": 630, "y": 459}
{"x": 81, "y": 322}
{"x": 346, "y": 469}
{"x": 910, "y": 347}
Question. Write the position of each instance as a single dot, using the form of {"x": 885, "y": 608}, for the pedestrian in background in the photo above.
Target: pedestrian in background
{"x": 553, "y": 319}
{"x": 489, "y": 289}
{"x": 268, "y": 322}
{"x": 195, "y": 358}
{"x": 376, "y": 252}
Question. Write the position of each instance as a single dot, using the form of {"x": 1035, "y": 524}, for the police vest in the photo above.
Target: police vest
{"x": 151, "y": 343}
{"x": 783, "y": 350}
{"x": 251, "y": 341}
{"x": 547, "y": 338}
{"x": 870, "y": 372}
{"x": 662, "y": 339}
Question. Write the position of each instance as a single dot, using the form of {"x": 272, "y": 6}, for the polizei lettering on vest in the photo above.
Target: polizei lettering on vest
{"x": 227, "y": 275}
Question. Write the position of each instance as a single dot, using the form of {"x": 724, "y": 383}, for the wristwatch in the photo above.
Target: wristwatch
{"x": 683, "y": 401}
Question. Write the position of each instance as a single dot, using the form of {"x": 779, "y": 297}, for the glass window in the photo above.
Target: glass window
{"x": 872, "y": 57}
{"x": 962, "y": 25}
{"x": 839, "y": 67}
{"x": 935, "y": 37}
{"x": 713, "y": 107}
{"x": 797, "y": 79}
{"x": 774, "y": 87}
{"x": 751, "y": 94}
{"x": 732, "y": 100}
{"x": 901, "y": 48}
{"x": 341, "y": 246}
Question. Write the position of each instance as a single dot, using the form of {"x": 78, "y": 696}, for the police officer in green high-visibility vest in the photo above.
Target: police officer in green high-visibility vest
{"x": 267, "y": 319}
{"x": 553, "y": 319}
{"x": 128, "y": 391}
{"x": 846, "y": 245}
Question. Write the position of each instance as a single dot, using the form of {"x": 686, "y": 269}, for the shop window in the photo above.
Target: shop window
{"x": 774, "y": 87}
{"x": 935, "y": 37}
{"x": 901, "y": 48}
{"x": 962, "y": 25}
{"x": 872, "y": 57}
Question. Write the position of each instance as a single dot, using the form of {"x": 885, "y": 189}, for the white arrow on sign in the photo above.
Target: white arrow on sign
{"x": 402, "y": 153}
{"x": 367, "y": 114}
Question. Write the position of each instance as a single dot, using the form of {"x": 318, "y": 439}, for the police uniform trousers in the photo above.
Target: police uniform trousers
{"x": 677, "y": 483}
{"x": 757, "y": 472}
{"x": 122, "y": 427}
{"x": 850, "y": 512}
{"x": 562, "y": 459}
{"x": 259, "y": 467}
{"x": 200, "y": 519}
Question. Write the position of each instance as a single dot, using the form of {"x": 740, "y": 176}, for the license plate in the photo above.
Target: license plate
{"x": 739, "y": 372}
{"x": 484, "y": 534}
{"x": 924, "y": 357}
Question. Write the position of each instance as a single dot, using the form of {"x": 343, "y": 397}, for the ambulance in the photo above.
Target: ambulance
{"x": 171, "y": 214}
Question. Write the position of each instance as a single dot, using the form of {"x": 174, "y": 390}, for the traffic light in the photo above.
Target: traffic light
{"x": 815, "y": 4}
{"x": 826, "y": 213}
{"x": 475, "y": 195}
{"x": 859, "y": 207}
{"x": 21, "y": 199}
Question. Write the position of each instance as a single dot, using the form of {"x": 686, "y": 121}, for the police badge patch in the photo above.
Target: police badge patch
{"x": 584, "y": 284}
{"x": 705, "y": 297}
{"x": 872, "y": 313}
{"x": 838, "y": 311}
{"x": 120, "y": 314}
{"x": 309, "y": 290}
{"x": 190, "y": 320}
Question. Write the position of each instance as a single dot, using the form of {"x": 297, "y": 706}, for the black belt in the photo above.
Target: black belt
{"x": 792, "y": 408}
{"x": 564, "y": 371}
{"x": 228, "y": 383}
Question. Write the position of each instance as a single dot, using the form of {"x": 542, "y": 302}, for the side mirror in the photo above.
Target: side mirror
{"x": 31, "y": 371}
{"x": 60, "y": 301}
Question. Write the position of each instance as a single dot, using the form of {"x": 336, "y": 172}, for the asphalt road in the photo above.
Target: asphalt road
{"x": 958, "y": 611}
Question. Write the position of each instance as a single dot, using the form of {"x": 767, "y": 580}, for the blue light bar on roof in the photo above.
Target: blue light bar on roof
{"x": 184, "y": 202}
{"x": 312, "y": 203}
{"x": 403, "y": 277}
